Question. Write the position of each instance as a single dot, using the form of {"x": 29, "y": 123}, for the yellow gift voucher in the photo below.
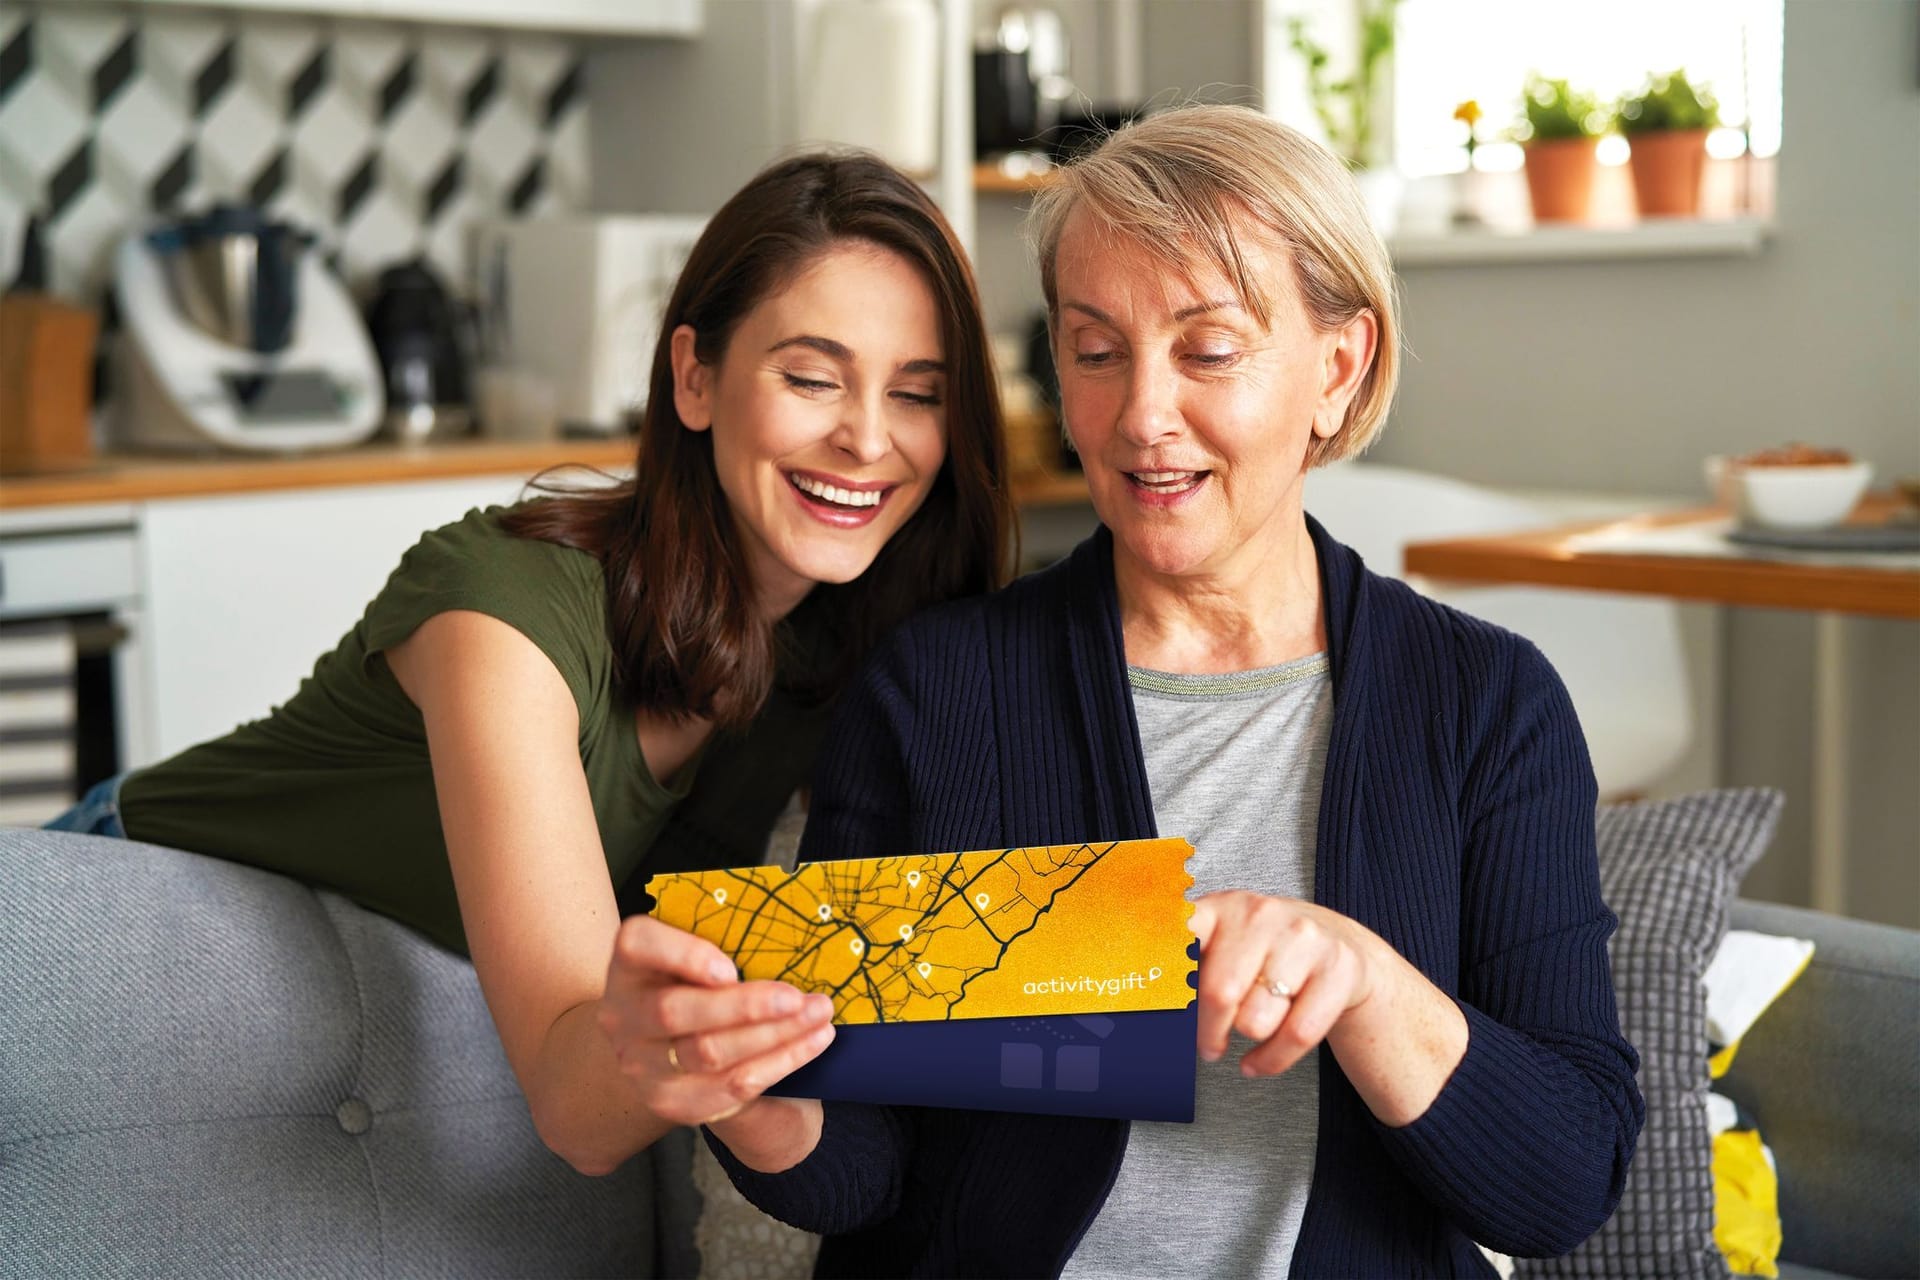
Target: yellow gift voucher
{"x": 1054, "y": 929}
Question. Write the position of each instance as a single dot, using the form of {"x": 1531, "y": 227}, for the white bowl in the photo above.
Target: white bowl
{"x": 1810, "y": 497}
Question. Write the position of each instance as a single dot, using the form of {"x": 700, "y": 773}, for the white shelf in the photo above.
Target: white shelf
{"x": 673, "y": 18}
{"x": 1658, "y": 238}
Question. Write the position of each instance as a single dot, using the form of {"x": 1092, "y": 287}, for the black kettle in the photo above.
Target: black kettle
{"x": 423, "y": 337}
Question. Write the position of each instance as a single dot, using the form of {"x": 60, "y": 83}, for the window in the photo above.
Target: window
{"x": 1451, "y": 50}
{"x": 1447, "y": 51}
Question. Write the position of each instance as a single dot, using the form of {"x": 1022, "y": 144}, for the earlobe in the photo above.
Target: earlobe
{"x": 692, "y": 381}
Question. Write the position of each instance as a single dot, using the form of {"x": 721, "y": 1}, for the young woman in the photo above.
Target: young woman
{"x": 548, "y": 700}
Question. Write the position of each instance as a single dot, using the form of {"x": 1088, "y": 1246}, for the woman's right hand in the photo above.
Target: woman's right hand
{"x": 700, "y": 1044}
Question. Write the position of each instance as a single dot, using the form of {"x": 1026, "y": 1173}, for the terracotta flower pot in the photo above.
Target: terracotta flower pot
{"x": 1666, "y": 172}
{"x": 1560, "y": 178}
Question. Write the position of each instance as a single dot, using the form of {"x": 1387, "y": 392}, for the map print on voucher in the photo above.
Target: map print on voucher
{"x": 1060, "y": 929}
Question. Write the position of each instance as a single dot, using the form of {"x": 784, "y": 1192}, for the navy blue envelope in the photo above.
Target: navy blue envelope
{"x": 1123, "y": 1066}
{"x": 1128, "y": 1066}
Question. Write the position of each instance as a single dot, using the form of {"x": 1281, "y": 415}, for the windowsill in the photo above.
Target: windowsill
{"x": 1658, "y": 238}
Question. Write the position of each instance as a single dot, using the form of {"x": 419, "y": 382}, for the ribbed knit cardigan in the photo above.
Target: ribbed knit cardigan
{"x": 1456, "y": 821}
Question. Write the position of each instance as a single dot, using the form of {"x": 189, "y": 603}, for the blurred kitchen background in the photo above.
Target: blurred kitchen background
{"x": 460, "y": 217}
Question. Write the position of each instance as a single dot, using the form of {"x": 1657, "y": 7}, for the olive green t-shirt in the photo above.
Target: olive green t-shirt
{"x": 335, "y": 787}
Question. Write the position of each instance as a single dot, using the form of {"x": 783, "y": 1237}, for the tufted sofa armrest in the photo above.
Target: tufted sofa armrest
{"x": 207, "y": 1070}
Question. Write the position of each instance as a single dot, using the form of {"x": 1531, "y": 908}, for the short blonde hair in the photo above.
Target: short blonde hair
{"x": 1184, "y": 184}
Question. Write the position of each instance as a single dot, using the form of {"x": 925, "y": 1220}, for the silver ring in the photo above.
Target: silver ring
{"x": 1278, "y": 989}
{"x": 673, "y": 1058}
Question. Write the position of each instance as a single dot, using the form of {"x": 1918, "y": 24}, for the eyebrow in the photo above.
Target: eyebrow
{"x": 842, "y": 352}
{"x": 1185, "y": 313}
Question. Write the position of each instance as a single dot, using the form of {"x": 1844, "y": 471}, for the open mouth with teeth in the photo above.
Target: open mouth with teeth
{"x": 834, "y": 497}
{"x": 1167, "y": 484}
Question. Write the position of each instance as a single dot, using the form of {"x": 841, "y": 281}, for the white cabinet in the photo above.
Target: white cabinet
{"x": 682, "y": 18}
{"x": 244, "y": 592}
{"x": 609, "y": 17}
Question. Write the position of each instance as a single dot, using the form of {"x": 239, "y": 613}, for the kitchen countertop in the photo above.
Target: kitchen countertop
{"x": 122, "y": 477}
{"x": 119, "y": 478}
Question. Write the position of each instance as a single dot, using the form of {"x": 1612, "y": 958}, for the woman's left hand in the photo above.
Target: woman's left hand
{"x": 1281, "y": 972}
{"x": 1288, "y": 975}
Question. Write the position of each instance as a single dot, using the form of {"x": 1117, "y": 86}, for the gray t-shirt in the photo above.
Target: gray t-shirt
{"x": 1234, "y": 764}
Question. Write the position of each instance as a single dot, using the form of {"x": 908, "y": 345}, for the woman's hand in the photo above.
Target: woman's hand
{"x": 1289, "y": 974}
{"x": 1281, "y": 972}
{"x": 699, "y": 1044}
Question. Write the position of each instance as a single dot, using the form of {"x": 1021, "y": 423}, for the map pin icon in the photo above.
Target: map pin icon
{"x": 913, "y": 879}
{"x": 826, "y": 910}
{"x": 856, "y": 945}
{"x": 906, "y": 931}
{"x": 924, "y": 968}
{"x": 720, "y": 896}
{"x": 981, "y": 900}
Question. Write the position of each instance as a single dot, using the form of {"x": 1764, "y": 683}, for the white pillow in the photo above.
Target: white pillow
{"x": 1747, "y": 974}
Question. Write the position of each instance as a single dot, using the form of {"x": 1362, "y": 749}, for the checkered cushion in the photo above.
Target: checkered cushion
{"x": 1669, "y": 870}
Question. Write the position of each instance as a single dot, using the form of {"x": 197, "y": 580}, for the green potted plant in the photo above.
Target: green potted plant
{"x": 1666, "y": 126}
{"x": 1352, "y": 108}
{"x": 1558, "y": 129}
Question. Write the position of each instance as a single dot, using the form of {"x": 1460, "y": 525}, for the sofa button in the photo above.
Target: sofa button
{"x": 354, "y": 1116}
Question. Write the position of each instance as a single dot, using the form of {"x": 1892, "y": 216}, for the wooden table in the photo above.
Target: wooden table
{"x": 1546, "y": 558}
{"x": 1552, "y": 558}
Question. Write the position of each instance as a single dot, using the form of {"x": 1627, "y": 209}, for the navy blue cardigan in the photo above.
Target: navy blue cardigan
{"x": 1456, "y": 821}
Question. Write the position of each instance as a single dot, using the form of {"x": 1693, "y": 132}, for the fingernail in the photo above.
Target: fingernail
{"x": 819, "y": 1006}
{"x": 786, "y": 1001}
{"x": 1248, "y": 1071}
{"x": 1210, "y": 1055}
{"x": 722, "y": 971}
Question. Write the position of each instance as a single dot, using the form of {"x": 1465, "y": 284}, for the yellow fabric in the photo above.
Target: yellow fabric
{"x": 1746, "y": 1204}
{"x": 1746, "y": 1189}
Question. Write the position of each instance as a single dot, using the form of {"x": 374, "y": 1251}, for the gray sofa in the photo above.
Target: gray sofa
{"x": 1831, "y": 1075}
{"x": 207, "y": 1070}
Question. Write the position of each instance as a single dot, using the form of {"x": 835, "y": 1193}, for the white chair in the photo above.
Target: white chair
{"x": 1620, "y": 656}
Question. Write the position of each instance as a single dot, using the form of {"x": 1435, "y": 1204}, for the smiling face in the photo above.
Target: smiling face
{"x": 1191, "y": 417}
{"x": 828, "y": 417}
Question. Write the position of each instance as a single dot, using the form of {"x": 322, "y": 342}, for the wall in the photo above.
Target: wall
{"x": 1622, "y": 376}
{"x": 386, "y": 140}
{"x": 678, "y": 126}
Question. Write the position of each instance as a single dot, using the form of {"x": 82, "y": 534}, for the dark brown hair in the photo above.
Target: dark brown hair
{"x": 687, "y": 639}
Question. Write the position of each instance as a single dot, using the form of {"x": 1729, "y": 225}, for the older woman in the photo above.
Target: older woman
{"x": 1390, "y": 802}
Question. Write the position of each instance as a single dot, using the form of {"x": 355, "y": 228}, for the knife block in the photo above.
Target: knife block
{"x": 46, "y": 383}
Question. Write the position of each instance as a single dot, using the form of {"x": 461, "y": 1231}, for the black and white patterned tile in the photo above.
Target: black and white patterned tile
{"x": 383, "y": 139}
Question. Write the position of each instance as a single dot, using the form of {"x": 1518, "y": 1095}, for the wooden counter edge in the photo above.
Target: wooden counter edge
{"x": 138, "y": 479}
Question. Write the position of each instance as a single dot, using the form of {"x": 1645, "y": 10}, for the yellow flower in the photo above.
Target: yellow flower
{"x": 1468, "y": 113}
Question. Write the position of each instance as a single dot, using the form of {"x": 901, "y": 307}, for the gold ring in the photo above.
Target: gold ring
{"x": 673, "y": 1057}
{"x": 1278, "y": 989}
